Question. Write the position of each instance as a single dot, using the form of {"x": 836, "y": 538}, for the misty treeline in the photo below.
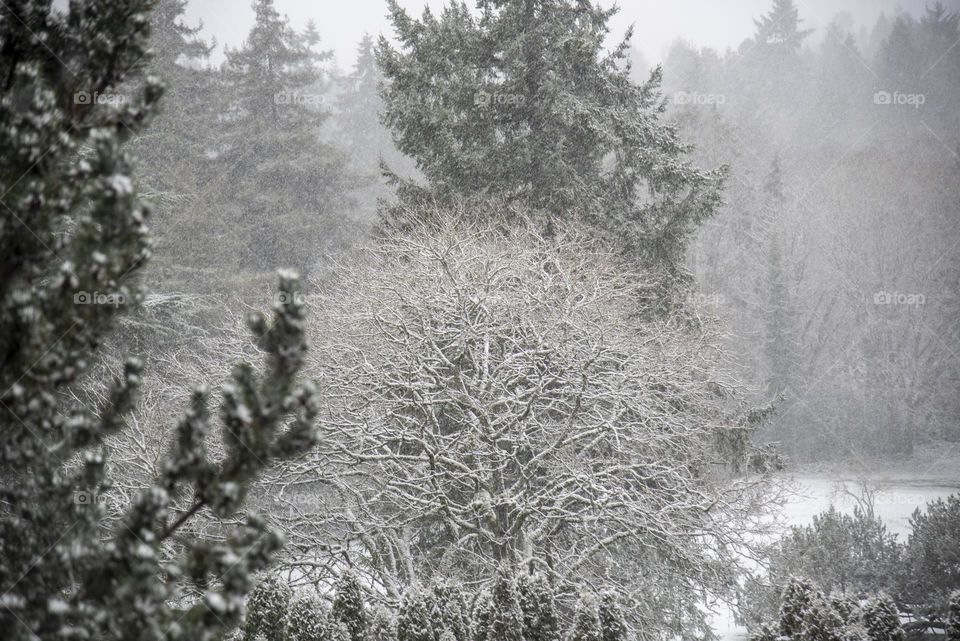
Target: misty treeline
{"x": 491, "y": 385}
{"x": 834, "y": 259}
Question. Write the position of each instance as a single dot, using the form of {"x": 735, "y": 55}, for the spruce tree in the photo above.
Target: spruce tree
{"x": 586, "y": 623}
{"x": 268, "y": 610}
{"x": 72, "y": 239}
{"x": 272, "y": 168}
{"x": 780, "y": 27}
{"x": 348, "y": 608}
{"x": 413, "y": 620}
{"x": 538, "y": 603}
{"x": 519, "y": 102}
{"x": 613, "y": 625}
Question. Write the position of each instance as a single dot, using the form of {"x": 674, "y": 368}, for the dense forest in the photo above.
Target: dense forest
{"x": 501, "y": 334}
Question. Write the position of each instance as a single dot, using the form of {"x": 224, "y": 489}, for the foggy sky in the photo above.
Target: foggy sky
{"x": 711, "y": 23}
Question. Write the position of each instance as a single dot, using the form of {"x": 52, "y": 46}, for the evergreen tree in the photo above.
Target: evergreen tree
{"x": 953, "y": 618}
{"x": 781, "y": 27}
{"x": 383, "y": 627}
{"x": 538, "y": 603}
{"x": 72, "y": 236}
{"x": 797, "y": 599}
{"x": 506, "y": 620}
{"x": 448, "y": 613}
{"x": 272, "y": 166}
{"x": 348, "y": 609}
{"x": 172, "y": 156}
{"x": 586, "y": 623}
{"x": 482, "y": 617}
{"x": 413, "y": 621}
{"x": 613, "y": 625}
{"x": 358, "y": 112}
{"x": 307, "y": 620}
{"x": 882, "y": 619}
{"x": 521, "y": 103}
{"x": 268, "y": 610}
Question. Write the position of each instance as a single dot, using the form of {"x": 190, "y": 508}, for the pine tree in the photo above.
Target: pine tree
{"x": 272, "y": 166}
{"x": 522, "y": 103}
{"x": 307, "y": 620}
{"x": 72, "y": 239}
{"x": 268, "y": 610}
{"x": 613, "y": 625}
{"x": 348, "y": 609}
{"x": 538, "y": 603}
{"x": 586, "y": 624}
{"x": 413, "y": 621}
{"x": 882, "y": 619}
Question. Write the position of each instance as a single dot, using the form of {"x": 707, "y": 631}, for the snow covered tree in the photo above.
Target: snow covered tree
{"x": 414, "y": 622}
{"x": 538, "y": 603}
{"x": 448, "y": 611}
{"x": 931, "y": 554}
{"x": 72, "y": 238}
{"x": 506, "y": 618}
{"x": 383, "y": 626}
{"x": 348, "y": 608}
{"x": 882, "y": 619}
{"x": 481, "y": 617}
{"x": 613, "y": 625}
{"x": 510, "y": 392}
{"x": 797, "y": 599}
{"x": 272, "y": 166}
{"x": 586, "y": 623}
{"x": 268, "y": 610}
{"x": 307, "y": 620}
{"x": 953, "y": 618}
{"x": 519, "y": 102}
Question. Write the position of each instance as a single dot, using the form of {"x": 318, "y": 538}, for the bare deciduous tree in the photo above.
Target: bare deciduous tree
{"x": 502, "y": 399}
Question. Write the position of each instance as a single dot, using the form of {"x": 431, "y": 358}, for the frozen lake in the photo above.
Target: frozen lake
{"x": 896, "y": 499}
